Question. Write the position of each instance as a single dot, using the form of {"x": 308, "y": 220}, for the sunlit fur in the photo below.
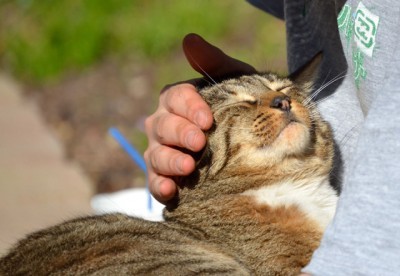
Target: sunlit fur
{"x": 256, "y": 204}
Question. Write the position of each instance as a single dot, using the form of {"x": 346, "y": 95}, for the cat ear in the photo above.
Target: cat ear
{"x": 306, "y": 76}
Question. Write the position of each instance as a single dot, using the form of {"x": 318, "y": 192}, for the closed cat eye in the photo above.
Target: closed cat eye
{"x": 252, "y": 102}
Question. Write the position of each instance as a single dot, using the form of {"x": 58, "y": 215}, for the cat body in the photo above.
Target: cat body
{"x": 257, "y": 203}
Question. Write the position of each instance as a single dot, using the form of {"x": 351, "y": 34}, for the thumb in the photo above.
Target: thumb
{"x": 210, "y": 60}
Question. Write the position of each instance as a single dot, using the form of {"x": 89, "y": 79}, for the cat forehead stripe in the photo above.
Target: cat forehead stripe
{"x": 240, "y": 92}
{"x": 271, "y": 81}
{"x": 277, "y": 84}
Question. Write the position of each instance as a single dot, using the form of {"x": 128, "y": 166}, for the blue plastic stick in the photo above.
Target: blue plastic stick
{"x": 135, "y": 156}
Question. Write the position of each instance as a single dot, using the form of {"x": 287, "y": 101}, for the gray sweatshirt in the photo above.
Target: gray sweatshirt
{"x": 359, "y": 40}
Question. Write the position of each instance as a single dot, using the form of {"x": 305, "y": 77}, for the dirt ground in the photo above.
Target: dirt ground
{"x": 38, "y": 186}
{"x": 82, "y": 108}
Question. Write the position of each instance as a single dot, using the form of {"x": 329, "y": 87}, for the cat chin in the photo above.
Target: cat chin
{"x": 293, "y": 139}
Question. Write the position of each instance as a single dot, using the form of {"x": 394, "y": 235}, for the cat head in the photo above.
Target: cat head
{"x": 263, "y": 119}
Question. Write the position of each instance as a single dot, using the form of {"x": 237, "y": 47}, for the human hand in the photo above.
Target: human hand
{"x": 181, "y": 117}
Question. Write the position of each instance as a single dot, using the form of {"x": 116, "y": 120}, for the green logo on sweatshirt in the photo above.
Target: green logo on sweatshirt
{"x": 359, "y": 71}
{"x": 365, "y": 26}
{"x": 361, "y": 27}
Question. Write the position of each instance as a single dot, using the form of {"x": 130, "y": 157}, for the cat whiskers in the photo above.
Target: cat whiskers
{"x": 319, "y": 90}
{"x": 201, "y": 68}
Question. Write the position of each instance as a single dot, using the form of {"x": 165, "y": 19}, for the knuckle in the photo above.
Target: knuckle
{"x": 152, "y": 156}
{"x": 156, "y": 156}
{"x": 183, "y": 129}
{"x": 179, "y": 94}
{"x": 172, "y": 99}
{"x": 159, "y": 127}
{"x": 172, "y": 167}
{"x": 153, "y": 161}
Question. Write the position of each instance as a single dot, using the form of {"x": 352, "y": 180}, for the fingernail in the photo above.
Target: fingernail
{"x": 201, "y": 119}
{"x": 191, "y": 139}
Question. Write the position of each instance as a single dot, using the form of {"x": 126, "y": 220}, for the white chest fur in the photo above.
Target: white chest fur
{"x": 316, "y": 198}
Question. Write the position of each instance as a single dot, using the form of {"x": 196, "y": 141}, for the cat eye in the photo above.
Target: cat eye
{"x": 283, "y": 87}
{"x": 252, "y": 102}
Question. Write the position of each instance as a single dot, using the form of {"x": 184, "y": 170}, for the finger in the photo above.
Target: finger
{"x": 167, "y": 161}
{"x": 173, "y": 130}
{"x": 209, "y": 60}
{"x": 184, "y": 101}
{"x": 162, "y": 188}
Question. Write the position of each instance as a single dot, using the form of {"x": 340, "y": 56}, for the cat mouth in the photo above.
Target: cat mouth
{"x": 293, "y": 132}
{"x": 290, "y": 124}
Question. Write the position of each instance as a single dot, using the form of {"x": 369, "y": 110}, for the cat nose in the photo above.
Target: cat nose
{"x": 281, "y": 102}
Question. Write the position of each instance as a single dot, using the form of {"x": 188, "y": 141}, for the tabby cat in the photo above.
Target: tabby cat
{"x": 257, "y": 203}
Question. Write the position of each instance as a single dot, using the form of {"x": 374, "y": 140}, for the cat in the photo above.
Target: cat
{"x": 257, "y": 203}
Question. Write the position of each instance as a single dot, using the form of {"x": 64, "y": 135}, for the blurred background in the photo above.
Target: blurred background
{"x": 87, "y": 65}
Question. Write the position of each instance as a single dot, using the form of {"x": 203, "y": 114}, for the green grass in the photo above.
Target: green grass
{"x": 42, "y": 40}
